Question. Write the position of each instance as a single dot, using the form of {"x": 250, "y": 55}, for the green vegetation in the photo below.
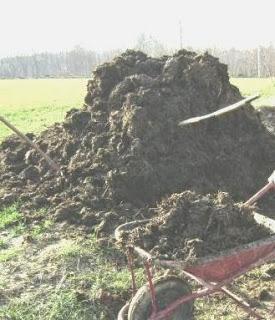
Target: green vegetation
{"x": 13, "y": 221}
{"x": 8, "y": 254}
{"x": 38, "y": 230}
{"x": 69, "y": 250}
{"x": 9, "y": 216}
{"x": 85, "y": 273}
{"x": 58, "y": 306}
{"x": 34, "y": 104}
{"x": 3, "y": 244}
{"x": 263, "y": 86}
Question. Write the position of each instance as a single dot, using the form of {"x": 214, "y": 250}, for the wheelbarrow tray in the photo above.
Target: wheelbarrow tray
{"x": 229, "y": 263}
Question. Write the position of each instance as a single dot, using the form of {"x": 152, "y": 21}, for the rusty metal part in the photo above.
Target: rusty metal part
{"x": 260, "y": 193}
{"x": 269, "y": 186}
{"x": 203, "y": 274}
{"x": 149, "y": 273}
{"x": 130, "y": 260}
{"x": 123, "y": 312}
{"x": 128, "y": 226}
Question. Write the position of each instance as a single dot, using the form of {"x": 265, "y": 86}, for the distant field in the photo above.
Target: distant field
{"x": 264, "y": 86}
{"x": 34, "y": 104}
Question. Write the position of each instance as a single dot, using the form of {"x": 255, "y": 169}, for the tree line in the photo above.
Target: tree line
{"x": 75, "y": 63}
{"x": 248, "y": 63}
{"x": 80, "y": 62}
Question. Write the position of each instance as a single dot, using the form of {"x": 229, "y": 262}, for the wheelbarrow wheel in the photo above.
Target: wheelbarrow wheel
{"x": 168, "y": 290}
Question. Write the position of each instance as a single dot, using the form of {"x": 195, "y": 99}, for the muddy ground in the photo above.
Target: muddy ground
{"x": 267, "y": 115}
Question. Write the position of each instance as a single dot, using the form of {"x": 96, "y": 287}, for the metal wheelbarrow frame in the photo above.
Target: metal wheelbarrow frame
{"x": 213, "y": 273}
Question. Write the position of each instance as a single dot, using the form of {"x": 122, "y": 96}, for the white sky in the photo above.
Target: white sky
{"x": 28, "y": 26}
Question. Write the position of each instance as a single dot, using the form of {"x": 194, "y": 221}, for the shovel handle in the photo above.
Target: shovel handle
{"x": 219, "y": 112}
{"x": 21, "y": 135}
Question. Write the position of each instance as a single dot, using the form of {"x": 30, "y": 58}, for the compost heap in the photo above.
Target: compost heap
{"x": 124, "y": 150}
{"x": 267, "y": 115}
{"x": 187, "y": 226}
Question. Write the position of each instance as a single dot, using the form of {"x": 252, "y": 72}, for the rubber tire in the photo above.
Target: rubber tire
{"x": 167, "y": 291}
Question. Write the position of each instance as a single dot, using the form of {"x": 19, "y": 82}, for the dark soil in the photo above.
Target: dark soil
{"x": 267, "y": 115}
{"x": 187, "y": 226}
{"x": 124, "y": 150}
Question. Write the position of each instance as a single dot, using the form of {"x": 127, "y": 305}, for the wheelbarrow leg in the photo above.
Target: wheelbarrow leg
{"x": 241, "y": 303}
{"x": 148, "y": 268}
{"x": 131, "y": 269}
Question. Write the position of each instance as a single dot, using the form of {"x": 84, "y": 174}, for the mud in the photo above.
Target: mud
{"x": 267, "y": 115}
{"x": 188, "y": 226}
{"x": 123, "y": 151}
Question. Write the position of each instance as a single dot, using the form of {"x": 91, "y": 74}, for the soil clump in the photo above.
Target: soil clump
{"x": 267, "y": 115}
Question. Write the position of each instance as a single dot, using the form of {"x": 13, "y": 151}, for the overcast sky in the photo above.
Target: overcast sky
{"x": 28, "y": 26}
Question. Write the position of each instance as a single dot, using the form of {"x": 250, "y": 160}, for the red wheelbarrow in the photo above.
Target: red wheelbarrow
{"x": 171, "y": 298}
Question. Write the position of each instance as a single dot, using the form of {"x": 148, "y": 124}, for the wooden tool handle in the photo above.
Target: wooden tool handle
{"x": 219, "y": 112}
{"x": 21, "y": 135}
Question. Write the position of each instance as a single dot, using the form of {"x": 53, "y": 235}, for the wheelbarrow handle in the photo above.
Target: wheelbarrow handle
{"x": 260, "y": 193}
{"x": 270, "y": 185}
{"x": 23, "y": 137}
{"x": 128, "y": 226}
{"x": 123, "y": 312}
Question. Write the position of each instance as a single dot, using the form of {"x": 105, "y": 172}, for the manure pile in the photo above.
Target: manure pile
{"x": 188, "y": 226}
{"x": 124, "y": 151}
{"x": 267, "y": 115}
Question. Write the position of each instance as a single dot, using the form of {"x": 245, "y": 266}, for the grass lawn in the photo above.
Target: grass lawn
{"x": 263, "y": 86}
{"x": 34, "y": 104}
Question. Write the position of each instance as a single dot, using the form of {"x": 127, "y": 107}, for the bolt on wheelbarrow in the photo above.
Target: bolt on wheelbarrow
{"x": 171, "y": 298}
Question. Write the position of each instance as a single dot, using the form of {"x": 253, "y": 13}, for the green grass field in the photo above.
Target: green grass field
{"x": 34, "y": 104}
{"x": 265, "y": 87}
